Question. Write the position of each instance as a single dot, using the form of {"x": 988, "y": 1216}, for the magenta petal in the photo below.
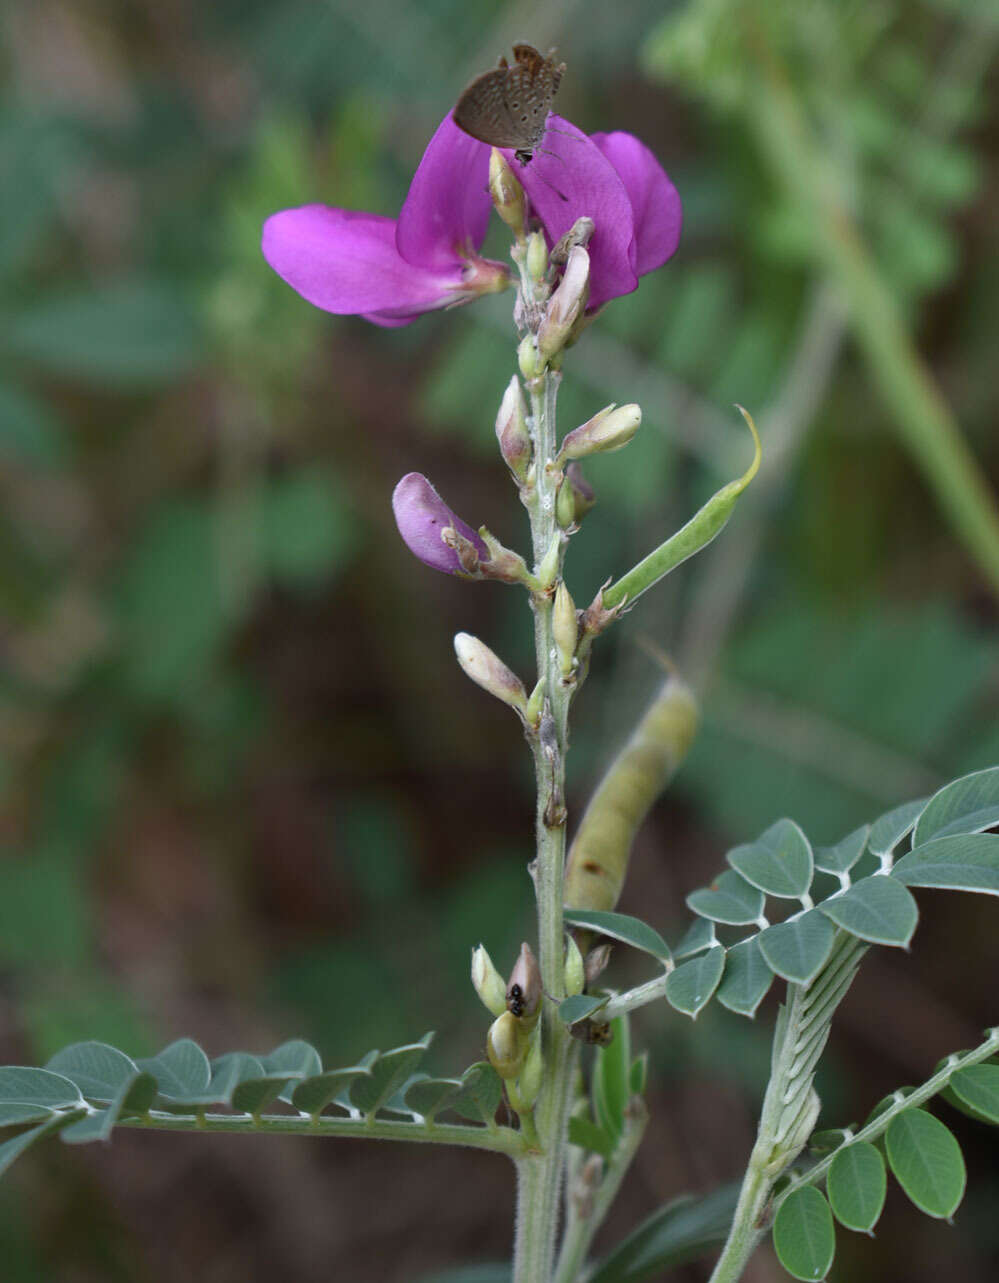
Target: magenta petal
{"x": 654, "y": 199}
{"x": 345, "y": 261}
{"x": 421, "y": 514}
{"x": 447, "y": 208}
{"x": 579, "y": 171}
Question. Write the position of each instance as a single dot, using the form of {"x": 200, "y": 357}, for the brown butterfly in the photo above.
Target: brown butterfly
{"x": 508, "y": 107}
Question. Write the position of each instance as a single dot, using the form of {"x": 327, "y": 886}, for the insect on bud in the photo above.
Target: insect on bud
{"x": 487, "y": 981}
{"x": 609, "y": 430}
{"x": 575, "y": 978}
{"x": 505, "y": 1047}
{"x": 537, "y": 256}
{"x": 565, "y": 629}
{"x": 507, "y": 194}
{"x": 488, "y": 671}
{"x": 523, "y": 989}
{"x": 567, "y": 303}
{"x": 511, "y": 431}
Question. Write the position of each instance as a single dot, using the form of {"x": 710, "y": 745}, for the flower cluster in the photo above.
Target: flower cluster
{"x": 391, "y": 270}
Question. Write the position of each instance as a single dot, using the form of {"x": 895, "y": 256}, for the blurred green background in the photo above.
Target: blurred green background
{"x": 248, "y": 795}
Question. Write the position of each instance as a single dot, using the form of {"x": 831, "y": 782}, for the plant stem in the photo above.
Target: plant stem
{"x": 502, "y": 1140}
{"x": 581, "y": 1227}
{"x": 540, "y": 1173}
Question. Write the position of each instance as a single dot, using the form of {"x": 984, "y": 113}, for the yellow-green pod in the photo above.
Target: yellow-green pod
{"x": 598, "y": 857}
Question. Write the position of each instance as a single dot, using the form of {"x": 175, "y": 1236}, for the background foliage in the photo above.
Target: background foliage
{"x": 247, "y": 795}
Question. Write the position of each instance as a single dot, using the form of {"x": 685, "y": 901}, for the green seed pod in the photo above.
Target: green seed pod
{"x": 598, "y": 857}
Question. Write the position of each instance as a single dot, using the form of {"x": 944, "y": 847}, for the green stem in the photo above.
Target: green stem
{"x": 583, "y": 1225}
{"x": 540, "y": 1173}
{"x": 878, "y": 1126}
{"x": 501, "y": 1140}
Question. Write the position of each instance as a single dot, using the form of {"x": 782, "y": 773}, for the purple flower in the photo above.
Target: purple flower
{"x": 421, "y": 514}
{"x": 615, "y": 180}
{"x": 392, "y": 270}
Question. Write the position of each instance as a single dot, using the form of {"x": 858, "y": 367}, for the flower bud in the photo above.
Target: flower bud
{"x": 537, "y": 256}
{"x": 596, "y": 962}
{"x": 523, "y": 989}
{"x": 505, "y": 1046}
{"x": 511, "y": 431}
{"x": 487, "y": 981}
{"x": 609, "y": 430}
{"x": 567, "y": 304}
{"x": 524, "y": 1092}
{"x": 488, "y": 671}
{"x": 528, "y": 358}
{"x": 507, "y": 194}
{"x": 578, "y": 234}
{"x": 575, "y": 976}
{"x": 565, "y": 629}
{"x": 575, "y": 498}
{"x": 422, "y": 517}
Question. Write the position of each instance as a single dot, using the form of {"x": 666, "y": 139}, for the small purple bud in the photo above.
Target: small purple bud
{"x": 424, "y": 518}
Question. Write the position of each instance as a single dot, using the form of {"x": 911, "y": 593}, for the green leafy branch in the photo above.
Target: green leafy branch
{"x": 89, "y": 1088}
{"x": 858, "y": 887}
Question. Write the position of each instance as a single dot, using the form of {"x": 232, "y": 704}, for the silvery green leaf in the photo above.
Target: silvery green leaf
{"x": 844, "y": 855}
{"x": 926, "y": 1161}
{"x": 967, "y": 805}
{"x": 878, "y": 909}
{"x": 856, "y": 1186}
{"x": 967, "y": 862}
{"x": 796, "y": 949}
{"x": 690, "y": 986}
{"x": 97, "y": 1069}
{"x": 747, "y": 978}
{"x": 388, "y": 1073}
{"x": 729, "y": 899}
{"x": 804, "y": 1236}
{"x": 621, "y": 926}
{"x": 890, "y": 829}
{"x": 779, "y": 862}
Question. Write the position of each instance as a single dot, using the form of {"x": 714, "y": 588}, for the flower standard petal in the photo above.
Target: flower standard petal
{"x": 345, "y": 261}
{"x": 421, "y": 514}
{"x": 446, "y": 211}
{"x": 654, "y": 199}
{"x": 573, "y": 167}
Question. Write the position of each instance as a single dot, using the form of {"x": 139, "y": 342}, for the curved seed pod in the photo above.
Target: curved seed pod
{"x": 598, "y": 857}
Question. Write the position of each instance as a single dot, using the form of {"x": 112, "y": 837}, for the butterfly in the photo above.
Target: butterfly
{"x": 509, "y": 106}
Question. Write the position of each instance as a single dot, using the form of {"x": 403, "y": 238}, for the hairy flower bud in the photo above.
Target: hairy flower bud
{"x": 511, "y": 431}
{"x": 505, "y": 1046}
{"x": 507, "y": 194}
{"x": 524, "y": 1092}
{"x": 523, "y": 989}
{"x": 487, "y": 981}
{"x": 567, "y": 304}
{"x": 575, "y": 976}
{"x": 537, "y": 256}
{"x": 423, "y": 518}
{"x": 609, "y": 430}
{"x": 528, "y": 358}
{"x": 487, "y": 670}
{"x": 565, "y": 630}
{"x": 575, "y": 498}
{"x": 596, "y": 962}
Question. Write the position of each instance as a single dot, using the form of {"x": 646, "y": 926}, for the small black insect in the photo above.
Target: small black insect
{"x": 515, "y": 1000}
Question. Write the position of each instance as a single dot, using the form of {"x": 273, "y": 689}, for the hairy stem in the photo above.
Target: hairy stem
{"x": 540, "y": 1173}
